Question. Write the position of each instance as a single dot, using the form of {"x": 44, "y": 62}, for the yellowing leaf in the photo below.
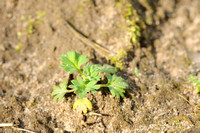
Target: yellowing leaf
{"x": 83, "y": 104}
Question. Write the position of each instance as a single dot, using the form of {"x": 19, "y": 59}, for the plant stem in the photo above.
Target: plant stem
{"x": 83, "y": 76}
{"x": 69, "y": 91}
{"x": 104, "y": 85}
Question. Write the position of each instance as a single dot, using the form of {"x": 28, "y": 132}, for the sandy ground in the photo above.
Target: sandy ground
{"x": 34, "y": 35}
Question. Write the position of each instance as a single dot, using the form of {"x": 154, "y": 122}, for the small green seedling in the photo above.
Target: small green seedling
{"x": 30, "y": 23}
{"x": 33, "y": 21}
{"x": 88, "y": 79}
{"x": 196, "y": 82}
{"x": 136, "y": 71}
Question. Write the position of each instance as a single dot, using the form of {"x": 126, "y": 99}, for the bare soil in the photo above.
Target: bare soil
{"x": 160, "y": 100}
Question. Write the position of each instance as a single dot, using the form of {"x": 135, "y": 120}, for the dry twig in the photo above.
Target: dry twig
{"x": 100, "y": 49}
{"x": 15, "y": 128}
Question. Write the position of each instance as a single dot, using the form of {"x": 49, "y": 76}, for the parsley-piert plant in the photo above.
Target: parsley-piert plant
{"x": 87, "y": 80}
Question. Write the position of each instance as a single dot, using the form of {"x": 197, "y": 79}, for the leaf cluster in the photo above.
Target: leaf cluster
{"x": 89, "y": 77}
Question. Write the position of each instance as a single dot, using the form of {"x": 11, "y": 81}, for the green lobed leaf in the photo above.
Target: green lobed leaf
{"x": 82, "y": 60}
{"x": 108, "y": 69}
{"x": 80, "y": 81}
{"x": 75, "y": 83}
{"x": 92, "y": 72}
{"x": 72, "y": 61}
{"x": 91, "y": 86}
{"x": 59, "y": 91}
{"x": 116, "y": 85}
{"x": 82, "y": 88}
